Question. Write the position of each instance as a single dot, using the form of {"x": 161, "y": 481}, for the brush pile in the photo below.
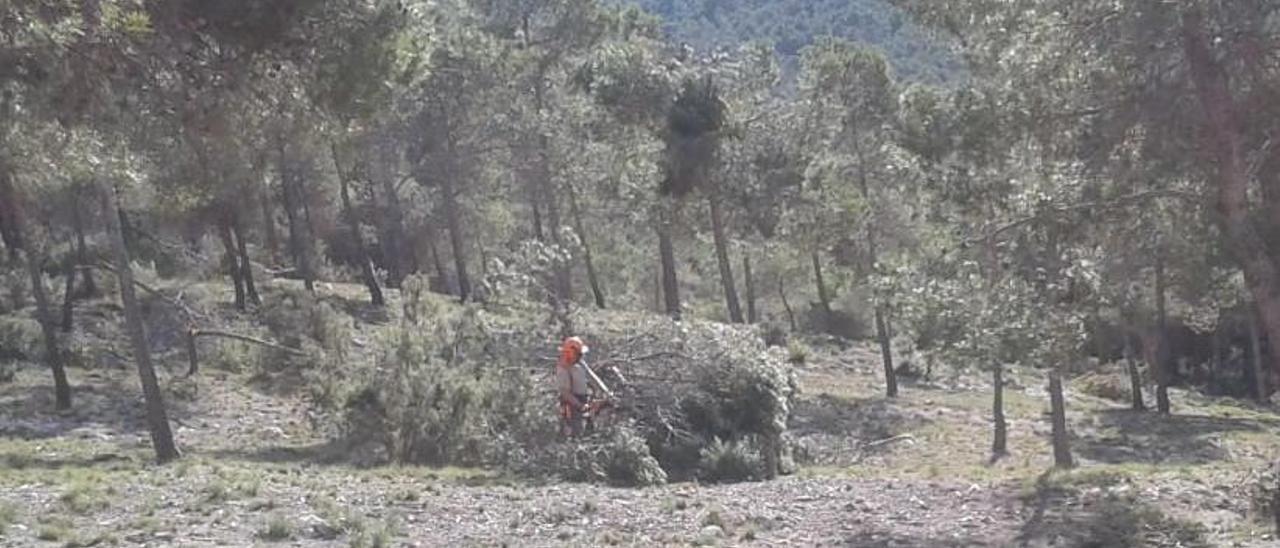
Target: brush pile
{"x": 710, "y": 402}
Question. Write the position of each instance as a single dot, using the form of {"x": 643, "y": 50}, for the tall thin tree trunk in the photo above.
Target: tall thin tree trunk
{"x": 297, "y": 246}
{"x": 395, "y": 249}
{"x": 667, "y": 258}
{"x": 1223, "y": 131}
{"x": 786, "y": 305}
{"x": 886, "y": 353}
{"x": 246, "y": 266}
{"x": 597, "y": 290}
{"x": 232, "y": 261}
{"x": 722, "y": 258}
{"x": 657, "y": 289}
{"x": 10, "y": 214}
{"x": 752, "y": 316}
{"x": 1261, "y": 390}
{"x": 1000, "y": 432}
{"x": 456, "y": 239}
{"x": 52, "y": 350}
{"x": 436, "y": 262}
{"x": 88, "y": 287}
{"x": 1162, "y": 354}
{"x": 882, "y": 326}
{"x": 157, "y": 417}
{"x": 69, "y": 297}
{"x": 269, "y": 223}
{"x": 824, "y": 298}
{"x": 1058, "y": 411}
{"x": 1135, "y": 380}
{"x": 366, "y": 264}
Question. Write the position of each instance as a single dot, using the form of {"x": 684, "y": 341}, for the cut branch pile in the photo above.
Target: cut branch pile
{"x": 692, "y": 389}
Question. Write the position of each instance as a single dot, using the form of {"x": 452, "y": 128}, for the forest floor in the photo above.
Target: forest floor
{"x": 911, "y": 471}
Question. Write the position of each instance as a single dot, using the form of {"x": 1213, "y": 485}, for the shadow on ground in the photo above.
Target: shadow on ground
{"x": 887, "y": 539}
{"x": 98, "y": 411}
{"x": 1125, "y": 436}
{"x": 324, "y": 453}
{"x": 1084, "y": 513}
{"x": 830, "y": 429}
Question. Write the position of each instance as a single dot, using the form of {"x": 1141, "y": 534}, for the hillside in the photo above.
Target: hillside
{"x": 793, "y": 24}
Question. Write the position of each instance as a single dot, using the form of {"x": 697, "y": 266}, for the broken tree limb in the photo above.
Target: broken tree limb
{"x": 887, "y": 441}
{"x": 193, "y": 334}
{"x": 148, "y": 290}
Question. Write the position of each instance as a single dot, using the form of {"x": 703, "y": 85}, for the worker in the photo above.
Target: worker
{"x": 572, "y": 385}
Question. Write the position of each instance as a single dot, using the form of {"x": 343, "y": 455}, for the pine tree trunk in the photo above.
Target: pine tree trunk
{"x": 1224, "y": 135}
{"x": 722, "y": 258}
{"x": 1058, "y": 411}
{"x": 824, "y": 298}
{"x": 297, "y": 246}
{"x": 157, "y": 417}
{"x": 52, "y": 350}
{"x": 10, "y": 214}
{"x": 68, "y": 298}
{"x": 1135, "y": 380}
{"x": 1261, "y": 390}
{"x": 562, "y": 278}
{"x": 366, "y": 264}
{"x": 786, "y": 305}
{"x": 597, "y": 290}
{"x": 456, "y": 242}
{"x": 88, "y": 287}
{"x": 1162, "y": 354}
{"x": 436, "y": 262}
{"x": 246, "y": 266}
{"x": 395, "y": 249}
{"x": 232, "y": 262}
{"x": 886, "y": 353}
{"x": 667, "y": 258}
{"x": 1000, "y": 431}
{"x": 269, "y": 223}
{"x": 752, "y": 316}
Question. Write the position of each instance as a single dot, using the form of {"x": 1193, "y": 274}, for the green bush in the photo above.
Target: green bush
{"x": 20, "y": 338}
{"x": 299, "y": 320}
{"x": 1108, "y": 386}
{"x": 730, "y": 461}
{"x": 438, "y": 398}
{"x": 797, "y": 352}
{"x": 628, "y": 462}
{"x": 1264, "y": 495}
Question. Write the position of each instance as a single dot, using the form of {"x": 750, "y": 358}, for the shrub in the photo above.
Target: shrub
{"x": 20, "y": 338}
{"x": 628, "y": 461}
{"x": 730, "y": 461}
{"x": 1108, "y": 386}
{"x": 8, "y": 515}
{"x": 297, "y": 319}
{"x": 797, "y": 352}
{"x": 1264, "y": 495}
{"x": 438, "y": 398}
{"x": 276, "y": 529}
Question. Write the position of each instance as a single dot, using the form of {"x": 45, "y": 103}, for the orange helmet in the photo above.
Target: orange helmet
{"x": 571, "y": 350}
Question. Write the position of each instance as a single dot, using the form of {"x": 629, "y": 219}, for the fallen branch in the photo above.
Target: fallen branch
{"x": 148, "y": 290}
{"x": 193, "y": 358}
{"x": 887, "y": 441}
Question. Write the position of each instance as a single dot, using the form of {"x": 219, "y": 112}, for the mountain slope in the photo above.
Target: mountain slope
{"x": 793, "y": 24}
